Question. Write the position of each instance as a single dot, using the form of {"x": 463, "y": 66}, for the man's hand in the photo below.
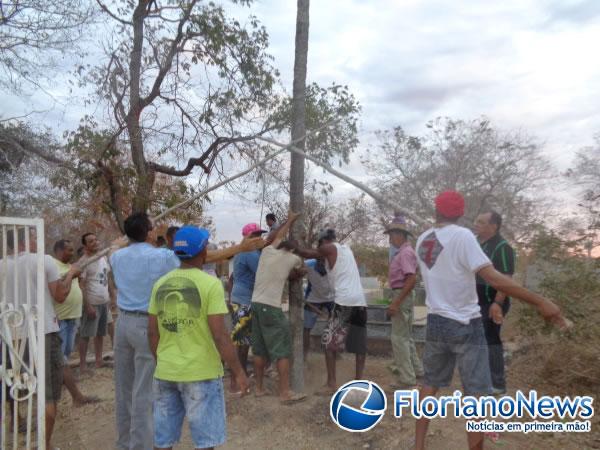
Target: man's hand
{"x": 495, "y": 313}
{"x": 393, "y": 309}
{"x": 74, "y": 272}
{"x": 243, "y": 383}
{"x": 297, "y": 273}
{"x": 120, "y": 242}
{"x": 552, "y": 314}
{"x": 292, "y": 215}
{"x": 90, "y": 311}
{"x": 249, "y": 244}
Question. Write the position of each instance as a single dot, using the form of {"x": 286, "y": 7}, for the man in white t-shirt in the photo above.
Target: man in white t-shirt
{"x": 449, "y": 257}
{"x": 24, "y": 268}
{"x": 97, "y": 295}
{"x": 347, "y": 325}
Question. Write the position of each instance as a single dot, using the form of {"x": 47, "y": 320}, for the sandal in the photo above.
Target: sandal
{"x": 293, "y": 398}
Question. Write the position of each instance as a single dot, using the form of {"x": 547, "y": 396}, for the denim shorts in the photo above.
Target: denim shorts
{"x": 67, "y": 332}
{"x": 449, "y": 342}
{"x": 202, "y": 402}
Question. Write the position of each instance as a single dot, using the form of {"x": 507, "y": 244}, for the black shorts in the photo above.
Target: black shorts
{"x": 346, "y": 330}
{"x": 54, "y": 367}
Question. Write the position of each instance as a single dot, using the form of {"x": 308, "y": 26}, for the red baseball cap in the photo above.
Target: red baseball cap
{"x": 250, "y": 228}
{"x": 450, "y": 204}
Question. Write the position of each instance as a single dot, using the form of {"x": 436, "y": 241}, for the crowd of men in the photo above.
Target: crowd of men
{"x": 171, "y": 337}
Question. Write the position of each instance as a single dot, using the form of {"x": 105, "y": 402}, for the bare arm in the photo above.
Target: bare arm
{"x": 282, "y": 231}
{"x": 246, "y": 245}
{"x": 153, "y": 334}
{"x": 546, "y": 308}
{"x": 112, "y": 289}
{"x": 409, "y": 285}
{"x": 328, "y": 251}
{"x": 60, "y": 289}
{"x": 228, "y": 352}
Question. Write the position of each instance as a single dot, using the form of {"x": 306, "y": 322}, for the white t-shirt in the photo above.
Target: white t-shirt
{"x": 274, "y": 268}
{"x": 26, "y": 273}
{"x": 344, "y": 278}
{"x": 96, "y": 281}
{"x": 449, "y": 257}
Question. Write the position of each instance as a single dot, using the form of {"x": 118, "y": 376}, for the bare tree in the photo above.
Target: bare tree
{"x": 182, "y": 76}
{"x": 35, "y": 34}
{"x": 503, "y": 170}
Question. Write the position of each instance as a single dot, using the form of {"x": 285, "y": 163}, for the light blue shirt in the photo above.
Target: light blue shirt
{"x": 245, "y": 266}
{"x": 135, "y": 270}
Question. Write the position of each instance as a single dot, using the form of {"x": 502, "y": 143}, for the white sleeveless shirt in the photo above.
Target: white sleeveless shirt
{"x": 344, "y": 278}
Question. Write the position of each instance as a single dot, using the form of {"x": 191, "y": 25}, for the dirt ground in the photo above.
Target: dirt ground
{"x": 262, "y": 423}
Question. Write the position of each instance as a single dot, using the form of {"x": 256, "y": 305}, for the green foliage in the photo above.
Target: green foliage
{"x": 570, "y": 280}
{"x": 325, "y": 105}
{"x": 375, "y": 258}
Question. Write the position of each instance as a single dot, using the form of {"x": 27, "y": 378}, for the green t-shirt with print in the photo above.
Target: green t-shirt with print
{"x": 182, "y": 300}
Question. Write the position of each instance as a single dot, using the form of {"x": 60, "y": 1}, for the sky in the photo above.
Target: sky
{"x": 525, "y": 64}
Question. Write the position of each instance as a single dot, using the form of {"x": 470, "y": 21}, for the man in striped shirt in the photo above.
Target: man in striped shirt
{"x": 494, "y": 304}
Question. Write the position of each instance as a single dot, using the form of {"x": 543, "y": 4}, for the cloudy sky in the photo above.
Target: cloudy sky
{"x": 525, "y": 64}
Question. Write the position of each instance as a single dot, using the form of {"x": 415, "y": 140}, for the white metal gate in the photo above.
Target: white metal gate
{"x": 22, "y": 364}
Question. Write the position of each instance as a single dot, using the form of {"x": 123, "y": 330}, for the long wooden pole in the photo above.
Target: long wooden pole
{"x": 376, "y": 196}
{"x": 184, "y": 203}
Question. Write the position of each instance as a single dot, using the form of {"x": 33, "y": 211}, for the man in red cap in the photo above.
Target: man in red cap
{"x": 449, "y": 257}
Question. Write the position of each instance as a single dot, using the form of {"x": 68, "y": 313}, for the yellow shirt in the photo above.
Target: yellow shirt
{"x": 71, "y": 307}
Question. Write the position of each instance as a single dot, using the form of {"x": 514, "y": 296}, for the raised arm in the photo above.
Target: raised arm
{"x": 246, "y": 245}
{"x": 282, "y": 231}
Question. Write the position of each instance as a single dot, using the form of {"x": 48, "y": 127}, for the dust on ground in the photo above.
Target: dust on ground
{"x": 262, "y": 423}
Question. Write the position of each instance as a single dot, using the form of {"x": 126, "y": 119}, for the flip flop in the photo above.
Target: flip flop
{"x": 90, "y": 399}
{"x": 294, "y": 398}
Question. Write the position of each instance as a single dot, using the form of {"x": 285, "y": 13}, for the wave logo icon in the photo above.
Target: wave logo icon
{"x": 346, "y": 413}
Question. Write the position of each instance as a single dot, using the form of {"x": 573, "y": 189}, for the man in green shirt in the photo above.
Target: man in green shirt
{"x": 68, "y": 314}
{"x": 188, "y": 337}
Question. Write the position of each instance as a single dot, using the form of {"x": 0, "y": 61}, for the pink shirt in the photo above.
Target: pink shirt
{"x": 402, "y": 265}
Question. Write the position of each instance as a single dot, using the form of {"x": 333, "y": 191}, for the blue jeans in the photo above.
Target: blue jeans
{"x": 448, "y": 343}
{"x": 67, "y": 332}
{"x": 203, "y": 402}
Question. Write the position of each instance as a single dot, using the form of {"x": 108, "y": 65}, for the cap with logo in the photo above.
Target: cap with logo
{"x": 189, "y": 241}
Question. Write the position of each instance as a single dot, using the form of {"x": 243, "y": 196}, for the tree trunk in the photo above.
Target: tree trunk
{"x": 297, "y": 186}
{"x": 143, "y": 189}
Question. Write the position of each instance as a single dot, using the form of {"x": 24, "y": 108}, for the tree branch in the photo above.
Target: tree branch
{"x": 219, "y": 144}
{"x": 113, "y": 15}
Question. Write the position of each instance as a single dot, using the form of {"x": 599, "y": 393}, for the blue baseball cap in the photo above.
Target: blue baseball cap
{"x": 189, "y": 241}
